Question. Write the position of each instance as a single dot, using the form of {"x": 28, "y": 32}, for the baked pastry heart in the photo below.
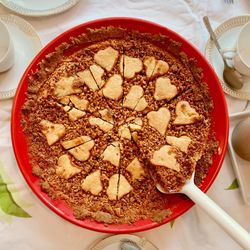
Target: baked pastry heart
{"x": 159, "y": 120}
{"x": 185, "y": 114}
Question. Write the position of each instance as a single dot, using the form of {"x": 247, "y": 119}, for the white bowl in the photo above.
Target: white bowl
{"x": 7, "y": 56}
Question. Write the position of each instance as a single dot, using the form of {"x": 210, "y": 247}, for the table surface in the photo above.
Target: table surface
{"x": 194, "y": 230}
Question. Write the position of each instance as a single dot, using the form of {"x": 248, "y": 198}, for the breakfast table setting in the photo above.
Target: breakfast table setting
{"x": 26, "y": 223}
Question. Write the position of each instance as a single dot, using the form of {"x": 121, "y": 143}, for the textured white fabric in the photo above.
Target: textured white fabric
{"x": 192, "y": 231}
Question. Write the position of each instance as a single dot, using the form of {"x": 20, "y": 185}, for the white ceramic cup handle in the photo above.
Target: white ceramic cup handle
{"x": 219, "y": 215}
{"x": 224, "y": 53}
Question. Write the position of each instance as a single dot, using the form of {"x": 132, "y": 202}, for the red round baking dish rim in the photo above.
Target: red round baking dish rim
{"x": 142, "y": 26}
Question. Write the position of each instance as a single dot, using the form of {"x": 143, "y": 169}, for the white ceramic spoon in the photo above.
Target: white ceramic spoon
{"x": 219, "y": 215}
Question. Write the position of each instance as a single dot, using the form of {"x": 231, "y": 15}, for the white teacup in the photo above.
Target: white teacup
{"x": 241, "y": 54}
{"x": 7, "y": 56}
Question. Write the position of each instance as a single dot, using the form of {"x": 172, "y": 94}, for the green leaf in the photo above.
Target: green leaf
{"x": 7, "y": 203}
{"x": 171, "y": 223}
{"x": 234, "y": 185}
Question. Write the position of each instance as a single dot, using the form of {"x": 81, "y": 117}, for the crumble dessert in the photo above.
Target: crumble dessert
{"x": 110, "y": 114}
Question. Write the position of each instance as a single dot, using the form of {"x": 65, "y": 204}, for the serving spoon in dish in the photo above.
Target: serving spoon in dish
{"x": 213, "y": 210}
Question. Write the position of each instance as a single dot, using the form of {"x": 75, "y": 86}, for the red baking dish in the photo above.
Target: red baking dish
{"x": 178, "y": 203}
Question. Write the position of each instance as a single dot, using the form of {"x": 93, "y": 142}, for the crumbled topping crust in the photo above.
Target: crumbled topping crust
{"x": 110, "y": 114}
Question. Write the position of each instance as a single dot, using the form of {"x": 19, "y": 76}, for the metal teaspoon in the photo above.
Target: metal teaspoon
{"x": 230, "y": 75}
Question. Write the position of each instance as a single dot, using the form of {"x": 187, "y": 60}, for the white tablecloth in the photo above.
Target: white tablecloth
{"x": 192, "y": 231}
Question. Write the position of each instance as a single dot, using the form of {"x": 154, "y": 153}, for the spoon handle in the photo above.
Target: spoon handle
{"x": 211, "y": 32}
{"x": 219, "y": 215}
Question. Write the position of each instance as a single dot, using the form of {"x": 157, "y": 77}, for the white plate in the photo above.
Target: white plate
{"x": 113, "y": 242}
{"x": 241, "y": 166}
{"x": 38, "y": 7}
{"x": 227, "y": 34}
{"x": 26, "y": 44}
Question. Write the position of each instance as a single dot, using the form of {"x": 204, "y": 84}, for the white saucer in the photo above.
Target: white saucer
{"x": 113, "y": 242}
{"x": 227, "y": 34}
{"x": 27, "y": 44}
{"x": 39, "y": 8}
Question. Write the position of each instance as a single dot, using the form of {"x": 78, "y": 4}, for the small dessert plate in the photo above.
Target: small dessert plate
{"x": 241, "y": 166}
{"x": 227, "y": 34}
{"x": 39, "y": 8}
{"x": 114, "y": 242}
{"x": 26, "y": 45}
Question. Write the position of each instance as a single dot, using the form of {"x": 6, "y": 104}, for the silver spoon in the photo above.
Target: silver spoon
{"x": 230, "y": 75}
{"x": 129, "y": 245}
{"x": 212, "y": 209}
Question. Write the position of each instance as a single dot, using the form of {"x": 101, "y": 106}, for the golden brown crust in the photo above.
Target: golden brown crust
{"x": 138, "y": 198}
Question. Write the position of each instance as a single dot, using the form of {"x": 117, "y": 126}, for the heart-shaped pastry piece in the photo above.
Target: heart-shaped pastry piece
{"x": 79, "y": 103}
{"x": 149, "y": 63}
{"x": 135, "y": 123}
{"x": 164, "y": 89}
{"x": 129, "y": 66}
{"x": 135, "y": 169}
{"x": 97, "y": 73}
{"x": 82, "y": 152}
{"x": 92, "y": 183}
{"x": 155, "y": 67}
{"x": 124, "y": 132}
{"x": 105, "y": 123}
{"x": 66, "y": 169}
{"x": 106, "y": 115}
{"x": 123, "y": 187}
{"x": 106, "y": 58}
{"x": 75, "y": 142}
{"x": 134, "y": 99}
{"x": 112, "y": 154}
{"x": 52, "y": 131}
{"x": 113, "y": 87}
{"x": 185, "y": 114}
{"x": 75, "y": 114}
{"x": 166, "y": 157}
{"x": 181, "y": 142}
{"x": 65, "y": 86}
{"x": 159, "y": 120}
{"x": 88, "y": 79}
{"x": 102, "y": 124}
{"x": 118, "y": 187}
{"x": 161, "y": 68}
{"x": 113, "y": 187}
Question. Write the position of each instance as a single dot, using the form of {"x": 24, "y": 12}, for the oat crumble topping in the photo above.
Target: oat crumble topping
{"x": 110, "y": 114}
